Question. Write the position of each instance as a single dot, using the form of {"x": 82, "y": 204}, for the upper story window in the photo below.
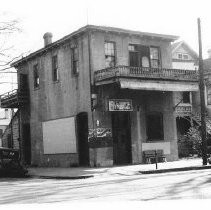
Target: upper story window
{"x": 179, "y": 55}
{"x": 144, "y": 56}
{"x": 182, "y": 56}
{"x": 133, "y": 55}
{"x": 110, "y": 59}
{"x": 154, "y": 57}
{"x": 75, "y": 60}
{"x": 185, "y": 57}
{"x": 55, "y": 73}
{"x": 36, "y": 76}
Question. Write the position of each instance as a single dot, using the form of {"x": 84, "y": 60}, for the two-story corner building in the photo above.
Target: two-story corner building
{"x": 100, "y": 97}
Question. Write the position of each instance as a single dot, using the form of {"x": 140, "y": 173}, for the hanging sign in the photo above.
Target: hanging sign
{"x": 183, "y": 110}
{"x": 120, "y": 105}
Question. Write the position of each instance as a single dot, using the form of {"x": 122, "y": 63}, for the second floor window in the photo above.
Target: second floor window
{"x": 55, "y": 73}
{"x": 110, "y": 59}
{"x": 36, "y": 76}
{"x": 154, "y": 57}
{"x": 144, "y": 56}
{"x": 75, "y": 60}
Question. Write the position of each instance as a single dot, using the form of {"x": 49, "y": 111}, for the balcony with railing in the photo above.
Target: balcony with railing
{"x": 14, "y": 99}
{"x": 143, "y": 73}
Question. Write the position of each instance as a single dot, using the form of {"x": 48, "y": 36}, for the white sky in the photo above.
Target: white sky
{"x": 178, "y": 17}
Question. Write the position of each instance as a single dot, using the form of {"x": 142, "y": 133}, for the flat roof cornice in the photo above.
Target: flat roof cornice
{"x": 94, "y": 28}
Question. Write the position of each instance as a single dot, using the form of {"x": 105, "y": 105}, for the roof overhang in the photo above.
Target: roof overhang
{"x": 86, "y": 28}
{"x": 158, "y": 85}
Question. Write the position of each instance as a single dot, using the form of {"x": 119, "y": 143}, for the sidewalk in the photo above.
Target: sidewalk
{"x": 82, "y": 173}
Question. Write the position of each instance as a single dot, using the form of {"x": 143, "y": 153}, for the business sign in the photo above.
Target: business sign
{"x": 120, "y": 105}
{"x": 183, "y": 110}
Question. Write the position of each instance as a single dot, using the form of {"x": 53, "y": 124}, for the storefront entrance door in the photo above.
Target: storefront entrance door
{"x": 121, "y": 138}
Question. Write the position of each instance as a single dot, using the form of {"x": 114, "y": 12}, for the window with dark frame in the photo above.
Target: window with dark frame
{"x": 55, "y": 73}
{"x": 154, "y": 123}
{"x": 179, "y": 55}
{"x": 36, "y": 76}
{"x": 138, "y": 54}
{"x": 75, "y": 60}
{"x": 186, "y": 97}
{"x": 182, "y": 56}
{"x": 110, "y": 58}
{"x": 133, "y": 55}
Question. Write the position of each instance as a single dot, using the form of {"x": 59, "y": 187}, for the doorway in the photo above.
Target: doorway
{"x": 82, "y": 132}
{"x": 26, "y": 143}
{"x": 121, "y": 128}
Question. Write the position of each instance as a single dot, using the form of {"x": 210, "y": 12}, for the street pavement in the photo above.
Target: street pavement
{"x": 195, "y": 184}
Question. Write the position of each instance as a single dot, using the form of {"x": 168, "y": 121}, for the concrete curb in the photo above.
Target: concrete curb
{"x": 175, "y": 169}
{"x": 60, "y": 177}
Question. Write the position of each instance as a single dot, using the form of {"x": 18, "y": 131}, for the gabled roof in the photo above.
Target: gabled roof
{"x": 96, "y": 28}
{"x": 175, "y": 46}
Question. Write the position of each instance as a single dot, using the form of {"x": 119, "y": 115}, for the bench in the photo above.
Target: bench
{"x": 150, "y": 156}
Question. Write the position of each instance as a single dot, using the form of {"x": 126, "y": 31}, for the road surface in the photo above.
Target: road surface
{"x": 166, "y": 186}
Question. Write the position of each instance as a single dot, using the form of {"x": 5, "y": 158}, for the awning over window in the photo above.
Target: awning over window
{"x": 158, "y": 85}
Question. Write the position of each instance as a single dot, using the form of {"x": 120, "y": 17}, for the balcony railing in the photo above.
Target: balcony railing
{"x": 146, "y": 73}
{"x": 14, "y": 99}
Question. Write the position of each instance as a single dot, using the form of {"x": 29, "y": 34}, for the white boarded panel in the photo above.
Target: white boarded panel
{"x": 165, "y": 146}
{"x": 59, "y": 136}
{"x": 160, "y": 86}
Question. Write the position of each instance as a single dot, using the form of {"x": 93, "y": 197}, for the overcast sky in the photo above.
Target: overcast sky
{"x": 178, "y": 17}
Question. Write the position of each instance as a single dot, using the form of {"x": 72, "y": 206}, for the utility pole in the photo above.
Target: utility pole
{"x": 202, "y": 99}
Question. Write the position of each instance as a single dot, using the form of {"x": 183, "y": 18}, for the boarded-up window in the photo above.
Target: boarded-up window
{"x": 59, "y": 136}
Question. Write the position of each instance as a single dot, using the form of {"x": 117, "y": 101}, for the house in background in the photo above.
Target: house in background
{"x": 5, "y": 117}
{"x": 207, "y": 70}
{"x": 100, "y": 96}
{"x": 183, "y": 57}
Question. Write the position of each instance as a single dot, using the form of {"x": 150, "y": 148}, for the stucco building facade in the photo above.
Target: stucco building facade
{"x": 99, "y": 97}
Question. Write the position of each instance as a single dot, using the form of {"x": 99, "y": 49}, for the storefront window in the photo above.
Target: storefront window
{"x": 154, "y": 123}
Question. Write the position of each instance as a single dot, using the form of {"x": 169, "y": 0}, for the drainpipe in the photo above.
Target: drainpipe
{"x": 19, "y": 133}
{"x": 91, "y": 91}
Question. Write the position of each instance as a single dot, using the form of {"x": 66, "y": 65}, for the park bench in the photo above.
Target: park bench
{"x": 150, "y": 156}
